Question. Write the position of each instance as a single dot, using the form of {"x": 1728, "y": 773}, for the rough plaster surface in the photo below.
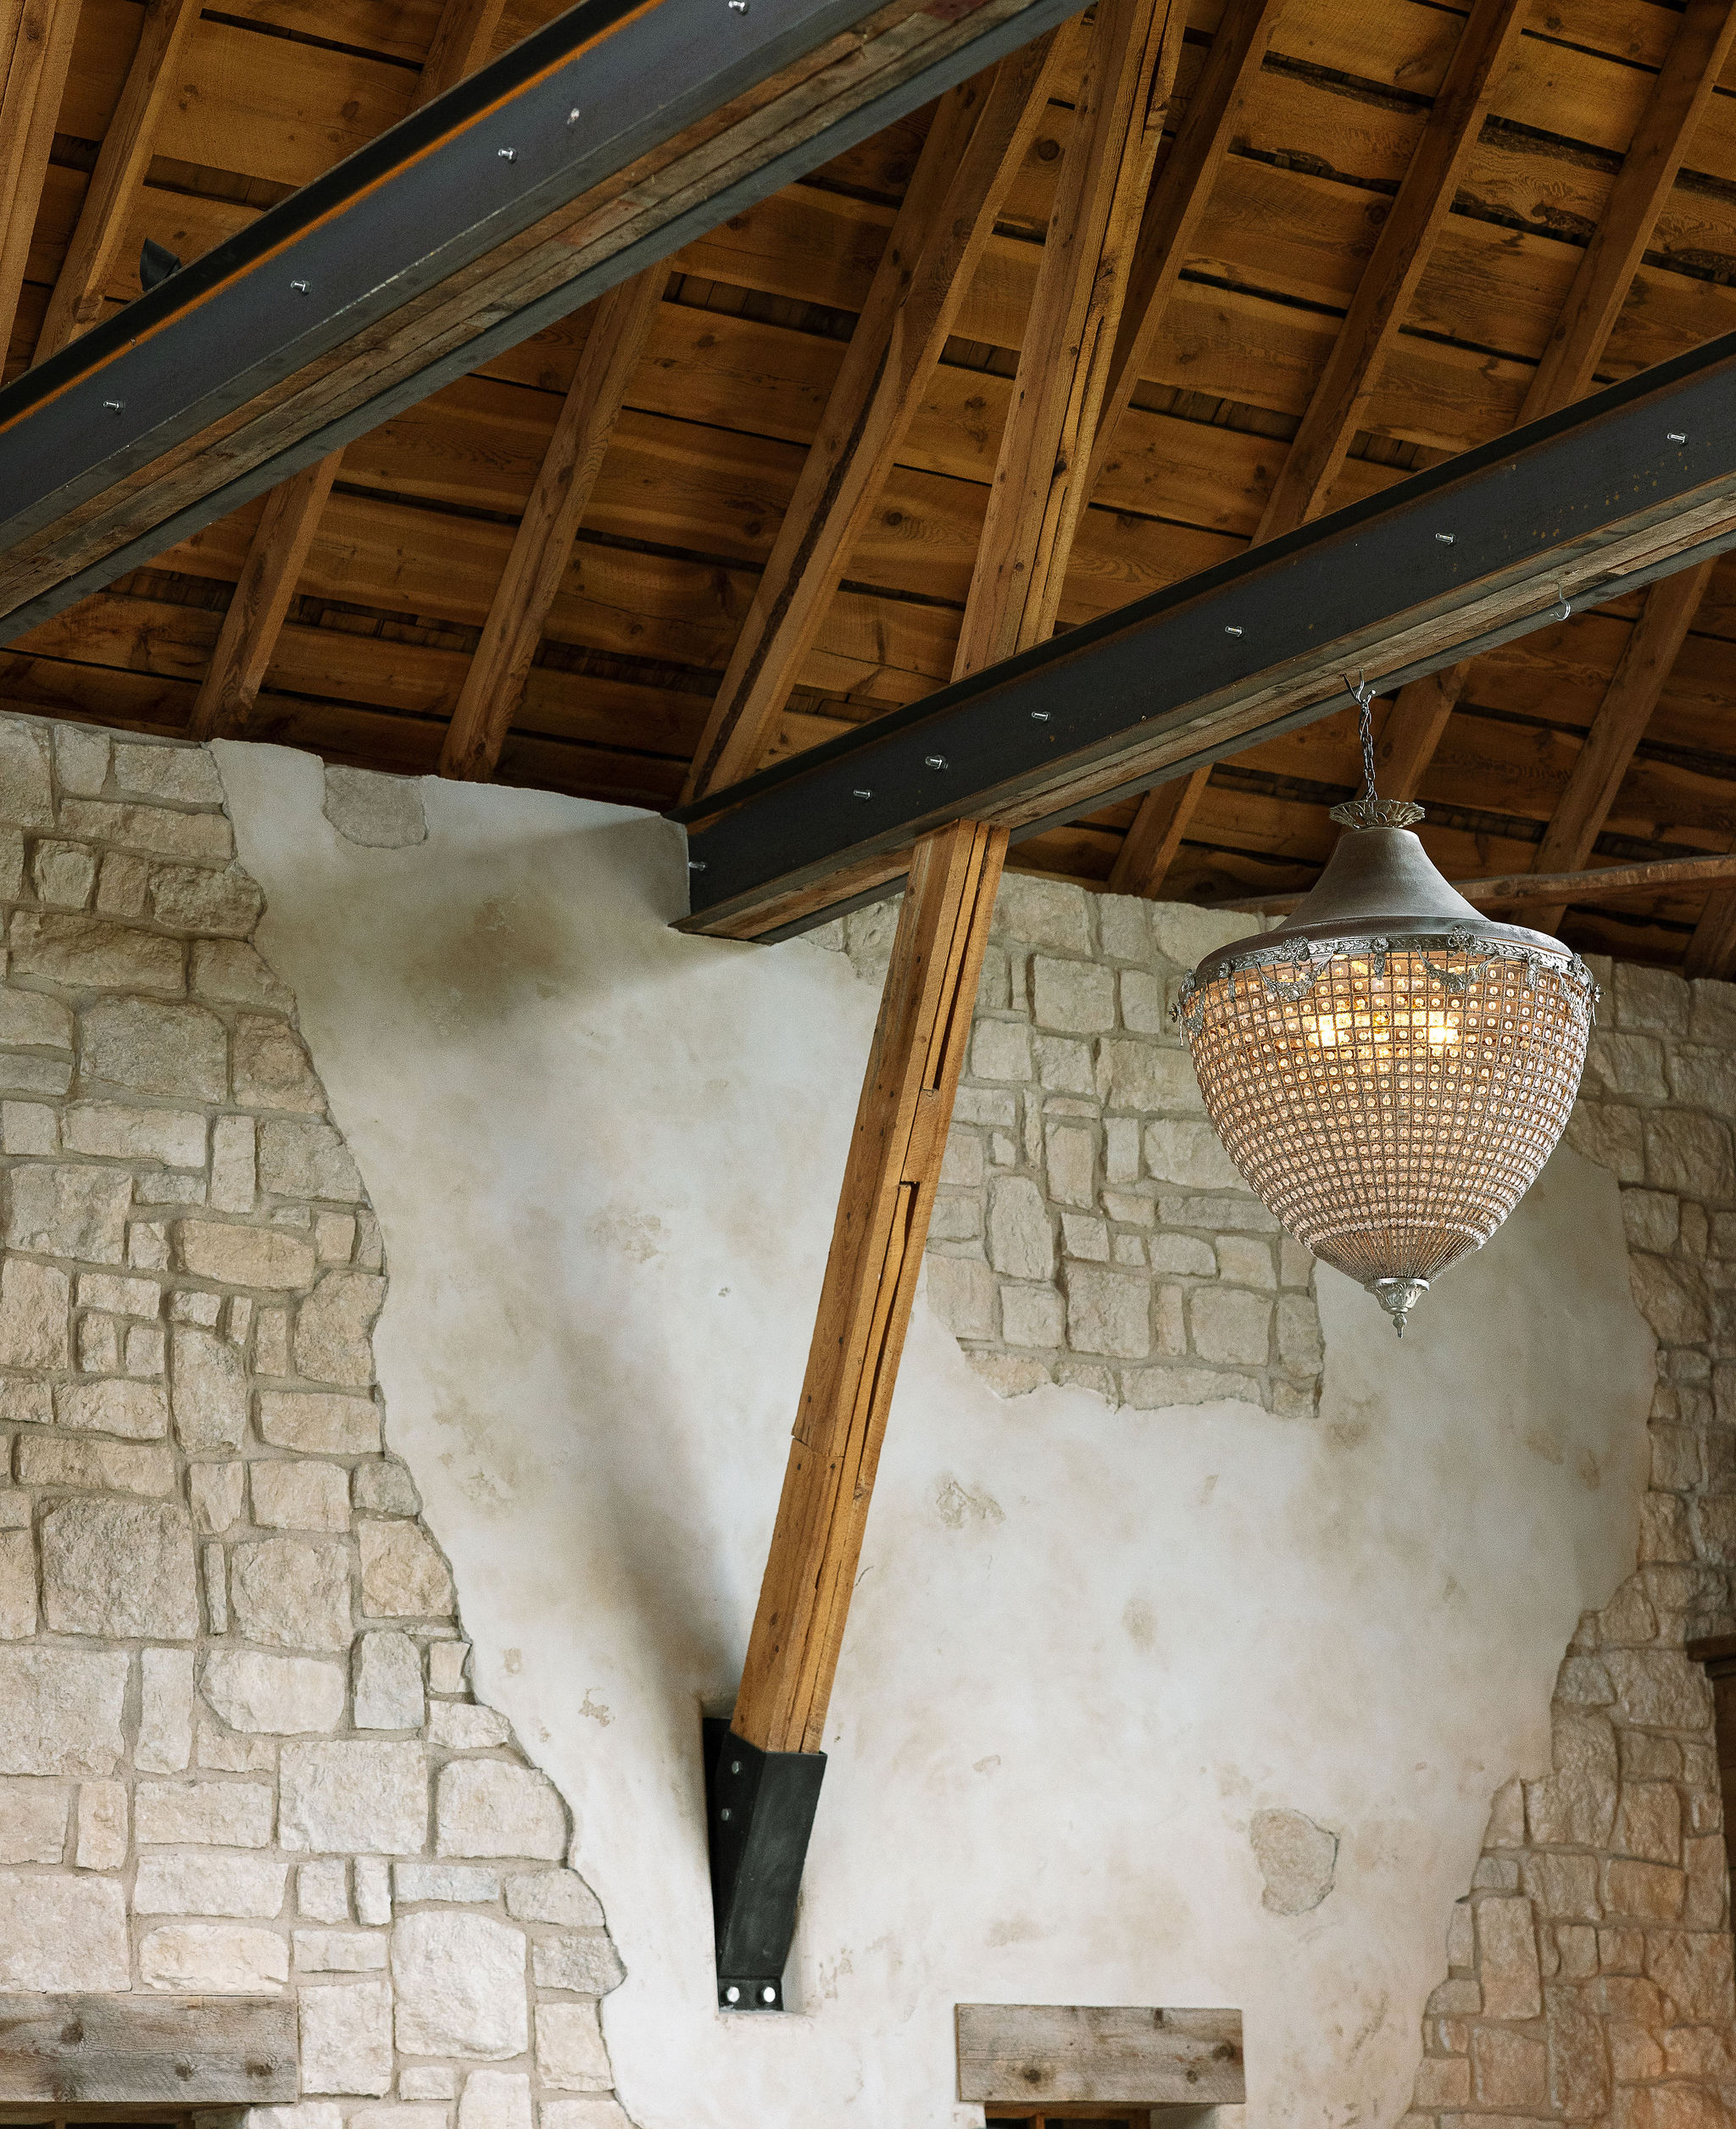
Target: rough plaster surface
{"x": 1089, "y": 1645}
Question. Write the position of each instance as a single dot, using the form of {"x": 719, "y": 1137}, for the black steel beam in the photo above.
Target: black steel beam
{"x": 442, "y": 243}
{"x": 759, "y": 1809}
{"x": 1628, "y": 485}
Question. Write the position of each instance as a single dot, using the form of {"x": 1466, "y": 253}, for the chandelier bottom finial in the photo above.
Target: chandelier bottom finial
{"x": 1399, "y": 1296}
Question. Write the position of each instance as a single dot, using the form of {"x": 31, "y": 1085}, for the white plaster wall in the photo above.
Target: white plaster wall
{"x": 1087, "y": 1645}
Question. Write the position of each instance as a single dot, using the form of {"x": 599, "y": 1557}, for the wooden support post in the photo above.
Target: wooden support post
{"x": 464, "y": 38}
{"x": 35, "y": 49}
{"x": 1644, "y": 667}
{"x": 106, "y": 216}
{"x": 494, "y": 685}
{"x": 1413, "y": 729}
{"x": 1679, "y": 96}
{"x": 1148, "y": 847}
{"x": 979, "y": 138}
{"x": 1335, "y": 412}
{"x": 223, "y": 706}
{"x": 1040, "y": 476}
{"x": 870, "y": 1279}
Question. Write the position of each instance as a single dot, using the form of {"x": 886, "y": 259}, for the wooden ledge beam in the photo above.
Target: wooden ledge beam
{"x": 1063, "y": 2055}
{"x": 167, "y": 2052}
{"x": 35, "y": 50}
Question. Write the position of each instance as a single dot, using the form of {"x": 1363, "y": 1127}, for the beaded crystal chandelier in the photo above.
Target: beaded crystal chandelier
{"x": 1389, "y": 1068}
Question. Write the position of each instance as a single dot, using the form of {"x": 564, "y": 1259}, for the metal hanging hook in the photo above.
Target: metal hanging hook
{"x": 1566, "y": 612}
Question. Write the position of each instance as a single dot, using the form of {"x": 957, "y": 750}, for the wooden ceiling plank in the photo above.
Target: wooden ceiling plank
{"x": 1039, "y": 490}
{"x": 1652, "y": 875}
{"x": 1148, "y": 847}
{"x": 463, "y": 39}
{"x": 1413, "y": 729}
{"x": 890, "y": 1177}
{"x": 1177, "y": 204}
{"x": 1679, "y": 99}
{"x": 1712, "y": 950}
{"x": 1639, "y": 680}
{"x": 223, "y": 708}
{"x": 112, "y": 194}
{"x": 494, "y": 685}
{"x": 979, "y": 138}
{"x": 1337, "y": 409}
{"x": 30, "y": 107}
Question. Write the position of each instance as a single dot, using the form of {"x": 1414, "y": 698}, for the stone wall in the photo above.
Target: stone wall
{"x": 1588, "y": 1969}
{"x": 1090, "y": 1228}
{"x": 238, "y": 1750}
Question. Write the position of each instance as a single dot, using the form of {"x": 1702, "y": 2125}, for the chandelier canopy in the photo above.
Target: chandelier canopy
{"x": 1389, "y": 1068}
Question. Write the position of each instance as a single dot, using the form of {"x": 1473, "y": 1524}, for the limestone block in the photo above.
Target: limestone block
{"x": 1181, "y": 1152}
{"x": 1297, "y": 1859}
{"x": 1658, "y": 1688}
{"x": 1071, "y": 1164}
{"x": 33, "y": 1815}
{"x": 1689, "y": 1153}
{"x": 118, "y": 1130}
{"x": 295, "y": 1495}
{"x": 229, "y": 973}
{"x": 1648, "y": 1822}
{"x": 249, "y": 1887}
{"x": 583, "y": 1960}
{"x": 26, "y": 799}
{"x": 101, "y": 1825}
{"x": 1508, "y": 2069}
{"x": 28, "y": 1127}
{"x": 34, "y": 1303}
{"x": 346, "y": 2037}
{"x": 1643, "y": 1891}
{"x": 1692, "y": 1967}
{"x": 570, "y": 2054}
{"x": 64, "y": 875}
{"x": 356, "y": 1797}
{"x": 460, "y": 1726}
{"x": 208, "y": 1390}
{"x": 462, "y": 1882}
{"x": 1579, "y": 2061}
{"x": 292, "y": 1593}
{"x": 961, "y": 1164}
{"x": 1155, "y": 1389}
{"x": 1042, "y": 913}
{"x": 1085, "y": 1237}
{"x": 155, "y": 1049}
{"x": 232, "y": 1179}
{"x": 150, "y": 830}
{"x": 304, "y": 1158}
{"x": 69, "y": 1212}
{"x": 554, "y": 1896}
{"x": 137, "y": 1410}
{"x": 280, "y": 1696}
{"x": 332, "y": 1325}
{"x": 189, "y": 899}
{"x": 387, "y": 1488}
{"x": 582, "y": 2114}
{"x": 30, "y": 1020}
{"x": 1020, "y": 1241}
{"x": 460, "y": 1983}
{"x": 382, "y": 813}
{"x": 1442, "y": 2081}
{"x": 1031, "y": 1315}
{"x": 1609, "y": 1136}
{"x": 60, "y": 1711}
{"x": 121, "y": 1568}
{"x": 373, "y": 1880}
{"x": 495, "y": 2099}
{"x": 271, "y": 1068}
{"x": 121, "y": 885}
{"x": 1652, "y": 1001}
{"x": 322, "y": 1891}
{"x": 1108, "y": 1312}
{"x": 1231, "y": 1325}
{"x": 90, "y": 954}
{"x": 489, "y": 1808}
{"x": 215, "y": 1492}
{"x": 1671, "y": 1295}
{"x": 960, "y": 1290}
{"x": 388, "y": 1682}
{"x": 1076, "y": 996}
{"x": 319, "y": 1423}
{"x": 1298, "y": 1333}
{"x": 230, "y": 1815}
{"x": 397, "y": 2116}
{"x": 186, "y": 775}
{"x": 1146, "y": 1076}
{"x": 1507, "y": 1953}
{"x": 308, "y": 2115}
{"x": 28, "y": 1075}
{"x": 403, "y": 1573}
{"x": 1063, "y": 1065}
{"x": 268, "y": 1257}
{"x": 427, "y": 2081}
{"x": 63, "y": 1933}
{"x": 18, "y": 1586}
{"x": 339, "y": 1951}
{"x": 1561, "y": 1887}
{"x": 334, "y": 1236}
{"x": 165, "y": 1739}
{"x": 1625, "y": 1066}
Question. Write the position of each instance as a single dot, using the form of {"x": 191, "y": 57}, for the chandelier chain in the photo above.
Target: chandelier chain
{"x": 1363, "y": 693}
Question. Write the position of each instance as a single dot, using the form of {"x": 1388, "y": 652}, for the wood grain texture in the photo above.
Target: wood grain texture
{"x": 38, "y": 52}
{"x": 1148, "y": 849}
{"x": 1389, "y": 285}
{"x": 979, "y": 136}
{"x": 1175, "y": 205}
{"x": 112, "y": 196}
{"x": 1047, "y": 2054}
{"x": 463, "y": 40}
{"x": 1639, "y": 680}
{"x": 1711, "y": 950}
{"x": 1603, "y": 883}
{"x": 1677, "y": 103}
{"x": 147, "y": 2051}
{"x": 1413, "y": 729}
{"x": 890, "y": 1177}
{"x": 494, "y": 685}
{"x": 1040, "y": 485}
{"x": 224, "y": 709}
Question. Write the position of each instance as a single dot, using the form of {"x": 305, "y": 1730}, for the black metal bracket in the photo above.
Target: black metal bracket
{"x": 758, "y": 1812}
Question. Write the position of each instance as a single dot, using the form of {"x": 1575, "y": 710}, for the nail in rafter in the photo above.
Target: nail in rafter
{"x": 620, "y": 324}
{"x": 977, "y": 141}
{"x": 1038, "y": 489}
{"x": 113, "y": 194}
{"x": 35, "y": 49}
{"x": 1340, "y": 400}
{"x": 890, "y": 1178}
